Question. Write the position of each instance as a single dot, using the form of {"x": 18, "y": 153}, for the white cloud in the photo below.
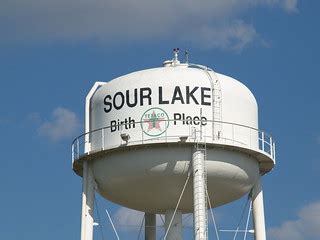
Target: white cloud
{"x": 131, "y": 218}
{"x": 64, "y": 124}
{"x": 234, "y": 36}
{"x": 305, "y": 227}
{"x": 212, "y": 23}
{"x": 290, "y": 5}
{"x": 128, "y": 217}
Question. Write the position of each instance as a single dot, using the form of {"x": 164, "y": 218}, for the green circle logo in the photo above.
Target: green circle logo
{"x": 154, "y": 122}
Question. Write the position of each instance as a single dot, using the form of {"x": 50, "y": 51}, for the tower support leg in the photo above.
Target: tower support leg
{"x": 199, "y": 195}
{"x": 87, "y": 203}
{"x": 258, "y": 212}
{"x": 175, "y": 230}
{"x": 150, "y": 226}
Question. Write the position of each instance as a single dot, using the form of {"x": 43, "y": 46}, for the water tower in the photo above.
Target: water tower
{"x": 167, "y": 140}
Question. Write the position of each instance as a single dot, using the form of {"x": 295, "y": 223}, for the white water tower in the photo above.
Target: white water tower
{"x": 167, "y": 140}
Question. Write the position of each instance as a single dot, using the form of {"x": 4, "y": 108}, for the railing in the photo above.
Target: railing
{"x": 231, "y": 134}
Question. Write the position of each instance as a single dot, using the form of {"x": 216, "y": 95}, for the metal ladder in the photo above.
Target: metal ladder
{"x": 216, "y": 105}
{"x": 201, "y": 145}
{"x": 216, "y": 100}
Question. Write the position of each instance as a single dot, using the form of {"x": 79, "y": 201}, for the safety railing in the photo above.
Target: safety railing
{"x": 231, "y": 134}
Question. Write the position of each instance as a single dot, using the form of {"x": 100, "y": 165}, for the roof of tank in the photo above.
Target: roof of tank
{"x": 189, "y": 72}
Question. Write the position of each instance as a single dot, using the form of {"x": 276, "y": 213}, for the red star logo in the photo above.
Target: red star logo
{"x": 154, "y": 122}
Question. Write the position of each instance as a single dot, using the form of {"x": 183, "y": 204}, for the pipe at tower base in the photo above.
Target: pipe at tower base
{"x": 150, "y": 226}
{"x": 258, "y": 212}
{"x": 199, "y": 195}
{"x": 87, "y": 202}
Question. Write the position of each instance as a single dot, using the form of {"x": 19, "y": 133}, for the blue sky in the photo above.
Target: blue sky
{"x": 51, "y": 53}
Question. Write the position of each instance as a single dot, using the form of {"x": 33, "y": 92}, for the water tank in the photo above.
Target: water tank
{"x": 143, "y": 127}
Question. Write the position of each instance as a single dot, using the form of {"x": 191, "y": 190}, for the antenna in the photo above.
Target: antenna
{"x": 186, "y": 54}
{"x": 175, "y": 55}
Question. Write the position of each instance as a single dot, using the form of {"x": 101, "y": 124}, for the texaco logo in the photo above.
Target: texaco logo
{"x": 154, "y": 122}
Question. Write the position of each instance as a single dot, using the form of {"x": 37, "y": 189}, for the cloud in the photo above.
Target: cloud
{"x": 131, "y": 218}
{"x": 305, "y": 227}
{"x": 64, "y": 124}
{"x": 290, "y": 5}
{"x": 212, "y": 23}
{"x": 128, "y": 217}
{"x": 234, "y": 36}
